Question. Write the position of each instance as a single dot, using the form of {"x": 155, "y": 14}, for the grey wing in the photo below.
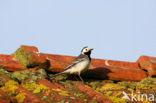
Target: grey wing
{"x": 77, "y": 60}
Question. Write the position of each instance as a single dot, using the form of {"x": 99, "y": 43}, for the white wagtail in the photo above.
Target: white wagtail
{"x": 80, "y": 64}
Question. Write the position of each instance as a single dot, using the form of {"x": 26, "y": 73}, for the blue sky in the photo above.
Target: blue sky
{"x": 116, "y": 29}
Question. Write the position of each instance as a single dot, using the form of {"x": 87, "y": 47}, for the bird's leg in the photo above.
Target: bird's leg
{"x": 75, "y": 78}
{"x": 80, "y": 77}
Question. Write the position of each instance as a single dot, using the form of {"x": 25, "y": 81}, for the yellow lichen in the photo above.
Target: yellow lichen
{"x": 114, "y": 91}
{"x": 87, "y": 86}
{"x": 147, "y": 83}
{"x": 130, "y": 89}
{"x": 11, "y": 82}
{"x": 10, "y": 87}
{"x": 85, "y": 100}
{"x": 61, "y": 92}
{"x": 116, "y": 97}
{"x": 110, "y": 86}
{"x": 138, "y": 99}
{"x": 20, "y": 97}
{"x": 108, "y": 90}
{"x": 36, "y": 88}
{"x": 58, "y": 90}
{"x": 118, "y": 100}
{"x": 39, "y": 88}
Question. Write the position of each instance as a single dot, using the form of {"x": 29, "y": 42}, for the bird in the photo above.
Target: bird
{"x": 79, "y": 65}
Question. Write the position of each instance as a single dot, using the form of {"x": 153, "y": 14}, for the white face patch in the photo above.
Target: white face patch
{"x": 85, "y": 50}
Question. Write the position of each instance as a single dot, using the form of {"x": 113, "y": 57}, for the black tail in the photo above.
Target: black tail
{"x": 56, "y": 75}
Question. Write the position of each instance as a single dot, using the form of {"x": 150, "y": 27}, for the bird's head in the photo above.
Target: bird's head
{"x": 86, "y": 50}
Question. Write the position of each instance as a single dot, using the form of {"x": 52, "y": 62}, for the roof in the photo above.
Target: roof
{"x": 24, "y": 79}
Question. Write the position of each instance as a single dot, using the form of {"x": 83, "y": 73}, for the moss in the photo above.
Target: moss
{"x": 29, "y": 86}
{"x": 37, "y": 75}
{"x": 20, "y": 75}
{"x": 72, "y": 97}
{"x": 2, "y": 81}
{"x": 61, "y": 92}
{"x": 5, "y": 73}
{"x": 80, "y": 94}
{"x": 109, "y": 90}
{"x": 2, "y": 67}
{"x": 44, "y": 97}
{"x": 64, "y": 93}
{"x": 29, "y": 76}
{"x": 75, "y": 91}
{"x": 117, "y": 99}
{"x": 109, "y": 93}
{"x": 62, "y": 101}
{"x": 112, "y": 91}
{"x": 59, "y": 77}
{"x": 94, "y": 84}
{"x": 22, "y": 56}
{"x": 53, "y": 98}
{"x": 40, "y": 73}
{"x": 147, "y": 83}
{"x": 110, "y": 86}
{"x": 130, "y": 85}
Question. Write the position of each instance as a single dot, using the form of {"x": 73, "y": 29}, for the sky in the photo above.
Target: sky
{"x": 116, "y": 29}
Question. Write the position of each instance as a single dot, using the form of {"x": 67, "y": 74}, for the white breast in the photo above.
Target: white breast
{"x": 79, "y": 68}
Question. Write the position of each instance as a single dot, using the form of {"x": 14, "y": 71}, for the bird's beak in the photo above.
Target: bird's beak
{"x": 91, "y": 49}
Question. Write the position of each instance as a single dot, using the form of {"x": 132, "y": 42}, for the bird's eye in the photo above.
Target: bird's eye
{"x": 86, "y": 49}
